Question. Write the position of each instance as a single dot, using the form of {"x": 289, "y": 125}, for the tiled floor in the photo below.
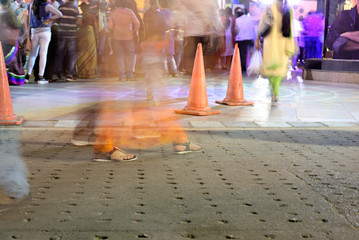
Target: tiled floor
{"x": 299, "y": 100}
{"x": 293, "y": 182}
{"x": 248, "y": 184}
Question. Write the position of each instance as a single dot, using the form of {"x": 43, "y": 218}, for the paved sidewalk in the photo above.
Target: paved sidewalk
{"x": 301, "y": 103}
{"x": 286, "y": 170}
{"x": 248, "y": 184}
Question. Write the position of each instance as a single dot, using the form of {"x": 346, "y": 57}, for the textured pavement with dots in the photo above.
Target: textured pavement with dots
{"x": 271, "y": 171}
{"x": 248, "y": 184}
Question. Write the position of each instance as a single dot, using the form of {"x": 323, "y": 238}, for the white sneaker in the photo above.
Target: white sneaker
{"x": 42, "y": 80}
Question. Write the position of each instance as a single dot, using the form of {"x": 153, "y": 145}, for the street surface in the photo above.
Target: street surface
{"x": 286, "y": 170}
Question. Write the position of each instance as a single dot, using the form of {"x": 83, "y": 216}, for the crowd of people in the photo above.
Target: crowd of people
{"x": 111, "y": 36}
{"x": 63, "y": 40}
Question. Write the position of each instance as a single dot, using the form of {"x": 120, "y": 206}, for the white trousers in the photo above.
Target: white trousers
{"x": 39, "y": 45}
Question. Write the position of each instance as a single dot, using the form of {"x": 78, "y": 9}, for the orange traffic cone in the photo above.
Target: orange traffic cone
{"x": 197, "y": 100}
{"x": 7, "y": 116}
{"x": 235, "y": 86}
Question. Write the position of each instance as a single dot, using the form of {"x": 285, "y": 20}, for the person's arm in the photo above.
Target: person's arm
{"x": 135, "y": 22}
{"x": 353, "y": 36}
{"x": 353, "y": 43}
{"x": 110, "y": 21}
{"x": 335, "y": 30}
{"x": 233, "y": 30}
{"x": 55, "y": 14}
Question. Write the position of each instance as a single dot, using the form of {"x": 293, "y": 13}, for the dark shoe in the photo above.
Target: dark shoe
{"x": 69, "y": 78}
{"x": 54, "y": 77}
{"x": 42, "y": 80}
{"x": 27, "y": 78}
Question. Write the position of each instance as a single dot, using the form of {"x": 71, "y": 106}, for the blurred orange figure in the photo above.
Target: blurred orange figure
{"x": 144, "y": 124}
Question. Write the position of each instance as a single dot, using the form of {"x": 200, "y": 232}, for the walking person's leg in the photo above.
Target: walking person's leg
{"x": 71, "y": 59}
{"x": 307, "y": 48}
{"x": 301, "y": 55}
{"x": 172, "y": 67}
{"x": 319, "y": 48}
{"x": 189, "y": 53}
{"x": 59, "y": 60}
{"x": 182, "y": 145}
{"x": 245, "y": 49}
{"x": 44, "y": 41}
{"x": 129, "y": 57}
{"x": 310, "y": 48}
{"x": 275, "y": 82}
{"x": 178, "y": 52}
{"x": 33, "y": 54}
{"x": 119, "y": 53}
{"x": 242, "y": 54}
{"x": 105, "y": 149}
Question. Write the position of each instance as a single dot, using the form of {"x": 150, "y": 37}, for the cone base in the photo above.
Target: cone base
{"x": 16, "y": 121}
{"x": 241, "y": 102}
{"x": 197, "y": 113}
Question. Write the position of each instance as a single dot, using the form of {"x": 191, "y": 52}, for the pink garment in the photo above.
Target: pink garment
{"x": 314, "y": 25}
{"x": 123, "y": 22}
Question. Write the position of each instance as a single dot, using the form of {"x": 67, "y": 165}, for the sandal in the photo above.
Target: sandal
{"x": 190, "y": 147}
{"x": 116, "y": 155}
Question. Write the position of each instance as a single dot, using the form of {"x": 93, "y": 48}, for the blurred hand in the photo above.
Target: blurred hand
{"x": 257, "y": 44}
{"x": 351, "y": 35}
{"x": 47, "y": 21}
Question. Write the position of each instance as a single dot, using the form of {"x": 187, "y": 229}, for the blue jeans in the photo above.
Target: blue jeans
{"x": 125, "y": 56}
{"x": 313, "y": 47}
{"x": 68, "y": 47}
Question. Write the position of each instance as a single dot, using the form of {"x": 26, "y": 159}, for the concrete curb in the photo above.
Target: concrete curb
{"x": 195, "y": 124}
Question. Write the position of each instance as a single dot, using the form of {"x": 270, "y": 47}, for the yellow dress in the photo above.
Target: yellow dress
{"x": 276, "y": 48}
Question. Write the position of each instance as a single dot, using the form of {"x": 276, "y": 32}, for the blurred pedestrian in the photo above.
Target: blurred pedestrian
{"x": 67, "y": 41}
{"x": 245, "y": 36}
{"x": 103, "y": 31}
{"x": 86, "y": 45}
{"x": 146, "y": 124}
{"x": 201, "y": 23}
{"x": 153, "y": 57}
{"x": 238, "y": 11}
{"x": 152, "y": 19}
{"x": 298, "y": 38}
{"x": 313, "y": 35}
{"x": 13, "y": 172}
{"x": 229, "y": 23}
{"x": 123, "y": 22}
{"x": 138, "y": 37}
{"x": 41, "y": 13}
{"x": 11, "y": 35}
{"x": 278, "y": 43}
{"x": 168, "y": 32}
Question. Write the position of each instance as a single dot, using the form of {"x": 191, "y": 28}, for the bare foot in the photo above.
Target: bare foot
{"x": 122, "y": 156}
{"x": 116, "y": 155}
